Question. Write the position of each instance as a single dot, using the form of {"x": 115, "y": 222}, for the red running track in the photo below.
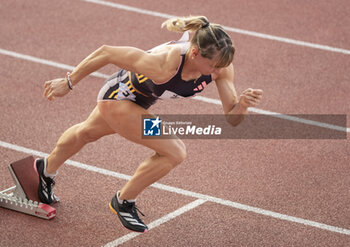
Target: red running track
{"x": 306, "y": 179}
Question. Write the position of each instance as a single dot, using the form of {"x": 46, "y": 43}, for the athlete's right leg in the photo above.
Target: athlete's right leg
{"x": 75, "y": 138}
{"x": 71, "y": 141}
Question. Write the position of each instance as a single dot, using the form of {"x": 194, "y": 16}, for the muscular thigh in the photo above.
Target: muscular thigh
{"x": 94, "y": 127}
{"x": 125, "y": 118}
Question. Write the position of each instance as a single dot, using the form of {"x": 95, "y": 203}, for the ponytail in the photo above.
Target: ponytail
{"x": 191, "y": 23}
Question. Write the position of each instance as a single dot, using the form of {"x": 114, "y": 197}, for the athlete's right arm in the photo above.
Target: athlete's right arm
{"x": 129, "y": 58}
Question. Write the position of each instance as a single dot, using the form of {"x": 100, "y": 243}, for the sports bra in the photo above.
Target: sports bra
{"x": 176, "y": 87}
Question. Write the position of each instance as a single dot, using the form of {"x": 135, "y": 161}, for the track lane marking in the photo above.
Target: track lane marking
{"x": 157, "y": 222}
{"x": 231, "y": 29}
{"x": 199, "y": 98}
{"x": 279, "y": 115}
{"x": 184, "y": 192}
{"x": 46, "y": 62}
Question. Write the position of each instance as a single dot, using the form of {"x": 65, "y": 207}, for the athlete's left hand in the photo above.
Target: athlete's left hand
{"x": 250, "y": 97}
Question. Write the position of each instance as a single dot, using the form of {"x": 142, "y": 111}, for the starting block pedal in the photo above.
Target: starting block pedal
{"x": 23, "y": 197}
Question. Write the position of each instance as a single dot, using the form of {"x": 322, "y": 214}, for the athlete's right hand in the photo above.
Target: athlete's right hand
{"x": 56, "y": 88}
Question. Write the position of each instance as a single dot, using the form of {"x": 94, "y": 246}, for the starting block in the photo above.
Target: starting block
{"x": 23, "y": 197}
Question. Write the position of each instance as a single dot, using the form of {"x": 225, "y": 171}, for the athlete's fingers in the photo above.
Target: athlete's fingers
{"x": 50, "y": 91}
{"x": 259, "y": 97}
{"x": 248, "y": 90}
{"x": 50, "y": 96}
{"x": 46, "y": 92}
{"x": 248, "y": 95}
{"x": 47, "y": 83}
{"x": 258, "y": 92}
{"x": 252, "y": 95}
{"x": 47, "y": 86}
{"x": 251, "y": 98}
{"x": 254, "y": 91}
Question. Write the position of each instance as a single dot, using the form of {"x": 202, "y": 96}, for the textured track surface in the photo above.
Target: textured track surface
{"x": 306, "y": 179}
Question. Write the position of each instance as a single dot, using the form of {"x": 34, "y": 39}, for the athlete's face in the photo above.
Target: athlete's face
{"x": 204, "y": 65}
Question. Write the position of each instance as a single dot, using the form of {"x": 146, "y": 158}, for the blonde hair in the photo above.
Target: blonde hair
{"x": 211, "y": 39}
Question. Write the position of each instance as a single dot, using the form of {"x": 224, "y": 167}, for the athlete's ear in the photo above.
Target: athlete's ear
{"x": 194, "y": 51}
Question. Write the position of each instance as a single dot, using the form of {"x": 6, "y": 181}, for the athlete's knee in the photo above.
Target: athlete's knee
{"x": 86, "y": 133}
{"x": 178, "y": 154}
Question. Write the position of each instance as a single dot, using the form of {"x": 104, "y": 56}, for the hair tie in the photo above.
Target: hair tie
{"x": 206, "y": 25}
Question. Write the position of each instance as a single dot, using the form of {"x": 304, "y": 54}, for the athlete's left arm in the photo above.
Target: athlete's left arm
{"x": 235, "y": 108}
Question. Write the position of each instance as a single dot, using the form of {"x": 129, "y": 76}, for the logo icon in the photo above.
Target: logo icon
{"x": 151, "y": 126}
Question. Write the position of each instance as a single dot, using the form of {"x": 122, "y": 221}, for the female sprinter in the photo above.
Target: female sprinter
{"x": 172, "y": 69}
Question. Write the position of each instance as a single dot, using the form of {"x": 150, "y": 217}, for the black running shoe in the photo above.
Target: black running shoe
{"x": 127, "y": 213}
{"x": 45, "y": 188}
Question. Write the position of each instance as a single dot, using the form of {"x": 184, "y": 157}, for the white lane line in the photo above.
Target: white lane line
{"x": 45, "y": 62}
{"x": 157, "y": 222}
{"x": 200, "y": 98}
{"x": 187, "y": 192}
{"x": 231, "y": 29}
{"x": 256, "y": 210}
{"x": 279, "y": 115}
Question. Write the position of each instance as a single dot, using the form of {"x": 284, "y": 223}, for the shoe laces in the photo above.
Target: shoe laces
{"x": 135, "y": 210}
{"x": 132, "y": 207}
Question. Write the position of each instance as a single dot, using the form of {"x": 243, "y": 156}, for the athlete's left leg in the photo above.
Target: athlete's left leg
{"x": 125, "y": 118}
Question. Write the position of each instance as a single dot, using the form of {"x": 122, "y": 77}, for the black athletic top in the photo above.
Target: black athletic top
{"x": 174, "y": 88}
{"x": 122, "y": 85}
